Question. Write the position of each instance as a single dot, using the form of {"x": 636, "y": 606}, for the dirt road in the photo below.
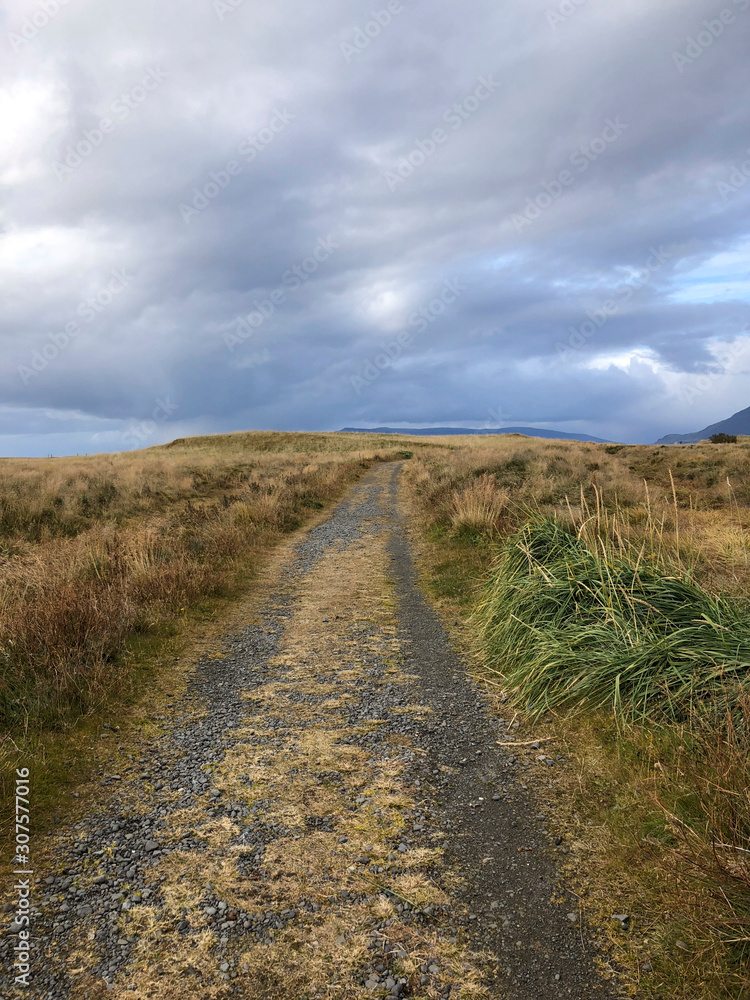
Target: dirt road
{"x": 324, "y": 813}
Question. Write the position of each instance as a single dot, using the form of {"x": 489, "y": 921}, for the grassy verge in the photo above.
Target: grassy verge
{"x": 604, "y": 601}
{"x": 109, "y": 562}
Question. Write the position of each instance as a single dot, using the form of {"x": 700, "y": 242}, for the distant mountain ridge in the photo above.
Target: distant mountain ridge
{"x": 539, "y": 432}
{"x": 738, "y": 423}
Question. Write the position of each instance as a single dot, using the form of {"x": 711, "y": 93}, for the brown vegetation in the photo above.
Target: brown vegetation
{"x": 96, "y": 551}
{"x": 691, "y": 502}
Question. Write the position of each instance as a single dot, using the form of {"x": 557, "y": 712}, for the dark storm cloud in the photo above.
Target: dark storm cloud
{"x": 577, "y": 168}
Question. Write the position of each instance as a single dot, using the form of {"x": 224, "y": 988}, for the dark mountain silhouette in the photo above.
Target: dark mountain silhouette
{"x": 738, "y": 423}
{"x": 539, "y": 432}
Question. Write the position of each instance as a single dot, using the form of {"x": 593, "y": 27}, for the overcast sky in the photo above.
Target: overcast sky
{"x": 253, "y": 214}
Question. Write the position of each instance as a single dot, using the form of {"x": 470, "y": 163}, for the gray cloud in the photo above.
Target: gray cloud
{"x": 283, "y": 124}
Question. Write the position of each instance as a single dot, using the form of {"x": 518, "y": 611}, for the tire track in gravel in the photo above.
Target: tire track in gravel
{"x": 325, "y": 814}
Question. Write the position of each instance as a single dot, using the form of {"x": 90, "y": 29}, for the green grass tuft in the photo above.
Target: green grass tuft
{"x": 570, "y": 625}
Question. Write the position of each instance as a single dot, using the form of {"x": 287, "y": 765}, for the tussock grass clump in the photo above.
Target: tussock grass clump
{"x": 570, "y": 625}
{"x": 479, "y": 506}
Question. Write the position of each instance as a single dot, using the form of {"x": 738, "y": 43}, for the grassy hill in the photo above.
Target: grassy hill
{"x": 602, "y": 591}
{"x": 97, "y": 551}
{"x": 534, "y": 432}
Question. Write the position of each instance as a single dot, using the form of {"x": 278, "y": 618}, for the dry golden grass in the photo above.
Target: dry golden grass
{"x": 479, "y": 506}
{"x": 42, "y": 499}
{"x": 95, "y": 550}
{"x": 693, "y": 501}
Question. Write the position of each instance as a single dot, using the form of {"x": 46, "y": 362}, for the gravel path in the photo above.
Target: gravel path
{"x": 324, "y": 812}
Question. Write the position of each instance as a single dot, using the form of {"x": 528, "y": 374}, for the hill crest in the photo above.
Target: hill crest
{"x": 539, "y": 432}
